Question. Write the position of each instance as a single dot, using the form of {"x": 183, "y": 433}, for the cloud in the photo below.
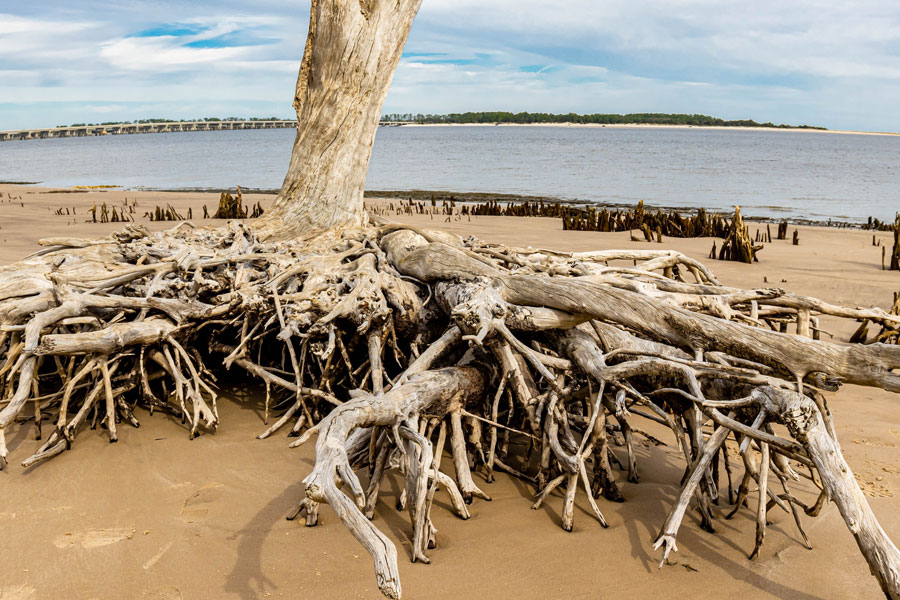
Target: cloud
{"x": 733, "y": 37}
{"x": 159, "y": 54}
{"x": 104, "y": 109}
{"x": 767, "y": 60}
{"x": 805, "y": 61}
{"x": 12, "y": 24}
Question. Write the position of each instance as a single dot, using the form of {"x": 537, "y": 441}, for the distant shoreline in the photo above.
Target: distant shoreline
{"x": 652, "y": 126}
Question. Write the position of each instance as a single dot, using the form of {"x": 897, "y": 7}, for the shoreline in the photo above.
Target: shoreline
{"x": 653, "y": 126}
{"x": 463, "y": 197}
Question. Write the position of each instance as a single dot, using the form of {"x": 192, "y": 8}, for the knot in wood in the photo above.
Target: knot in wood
{"x": 799, "y": 419}
{"x": 794, "y": 410}
{"x": 314, "y": 493}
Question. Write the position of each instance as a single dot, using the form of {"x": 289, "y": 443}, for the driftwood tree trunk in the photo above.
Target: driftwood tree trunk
{"x": 392, "y": 343}
{"x": 352, "y": 50}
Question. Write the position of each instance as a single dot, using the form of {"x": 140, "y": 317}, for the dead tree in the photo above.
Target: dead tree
{"x": 392, "y": 343}
{"x": 232, "y": 207}
{"x": 737, "y": 245}
{"x": 782, "y": 230}
{"x": 895, "y": 251}
{"x": 352, "y": 51}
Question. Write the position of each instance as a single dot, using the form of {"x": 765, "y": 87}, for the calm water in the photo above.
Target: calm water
{"x": 769, "y": 173}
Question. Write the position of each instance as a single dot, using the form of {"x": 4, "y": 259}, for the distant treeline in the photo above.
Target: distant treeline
{"x": 598, "y": 118}
{"x": 143, "y": 121}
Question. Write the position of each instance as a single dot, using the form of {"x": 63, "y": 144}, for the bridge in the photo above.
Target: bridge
{"x": 131, "y": 128}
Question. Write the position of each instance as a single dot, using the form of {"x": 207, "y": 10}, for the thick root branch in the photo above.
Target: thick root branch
{"x": 394, "y": 345}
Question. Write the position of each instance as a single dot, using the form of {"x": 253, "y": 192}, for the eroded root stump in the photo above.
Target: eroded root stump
{"x": 737, "y": 245}
{"x": 397, "y": 346}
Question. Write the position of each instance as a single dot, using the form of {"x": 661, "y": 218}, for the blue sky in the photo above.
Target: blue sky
{"x": 835, "y": 64}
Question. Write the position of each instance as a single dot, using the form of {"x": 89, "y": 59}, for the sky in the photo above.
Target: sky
{"x": 815, "y": 62}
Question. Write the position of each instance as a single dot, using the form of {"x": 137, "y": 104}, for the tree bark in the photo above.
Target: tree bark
{"x": 351, "y": 53}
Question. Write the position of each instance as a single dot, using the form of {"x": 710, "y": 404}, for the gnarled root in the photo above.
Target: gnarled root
{"x": 370, "y": 337}
{"x": 432, "y": 392}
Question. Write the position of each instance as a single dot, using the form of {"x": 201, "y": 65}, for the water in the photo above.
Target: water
{"x": 769, "y": 173}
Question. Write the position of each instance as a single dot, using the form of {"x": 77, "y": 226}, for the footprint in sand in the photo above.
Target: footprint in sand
{"x": 166, "y": 593}
{"x": 873, "y": 486}
{"x": 155, "y": 558}
{"x": 882, "y": 467}
{"x": 196, "y": 507}
{"x": 94, "y": 538}
{"x": 31, "y": 512}
{"x": 23, "y": 591}
{"x": 875, "y": 443}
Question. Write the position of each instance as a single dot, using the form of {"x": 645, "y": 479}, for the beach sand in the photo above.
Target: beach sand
{"x": 158, "y": 516}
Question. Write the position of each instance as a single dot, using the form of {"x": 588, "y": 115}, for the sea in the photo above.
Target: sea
{"x": 769, "y": 173}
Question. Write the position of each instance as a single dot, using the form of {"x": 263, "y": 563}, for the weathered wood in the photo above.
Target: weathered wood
{"x": 351, "y": 53}
{"x": 106, "y": 341}
{"x": 895, "y": 250}
{"x": 805, "y": 423}
{"x": 865, "y": 365}
{"x": 435, "y": 392}
{"x": 561, "y": 327}
{"x": 737, "y": 245}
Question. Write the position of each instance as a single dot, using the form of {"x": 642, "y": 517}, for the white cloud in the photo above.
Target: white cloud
{"x": 104, "y": 109}
{"x": 766, "y": 36}
{"x": 12, "y": 24}
{"x": 160, "y": 54}
{"x": 813, "y": 61}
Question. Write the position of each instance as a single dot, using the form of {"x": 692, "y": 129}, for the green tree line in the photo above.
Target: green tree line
{"x": 491, "y": 117}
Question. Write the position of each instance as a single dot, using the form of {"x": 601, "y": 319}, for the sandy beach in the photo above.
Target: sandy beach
{"x": 160, "y": 517}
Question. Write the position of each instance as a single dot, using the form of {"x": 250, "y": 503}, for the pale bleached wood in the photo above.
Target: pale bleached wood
{"x": 864, "y": 365}
{"x": 434, "y": 391}
{"x": 805, "y": 424}
{"x": 107, "y": 340}
{"x": 352, "y": 50}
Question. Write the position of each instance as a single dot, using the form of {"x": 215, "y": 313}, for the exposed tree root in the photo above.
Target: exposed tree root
{"x": 394, "y": 345}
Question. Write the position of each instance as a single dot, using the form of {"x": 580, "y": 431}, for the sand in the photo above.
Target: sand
{"x": 159, "y": 516}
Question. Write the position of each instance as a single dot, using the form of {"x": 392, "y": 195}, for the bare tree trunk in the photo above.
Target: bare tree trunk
{"x": 351, "y": 53}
